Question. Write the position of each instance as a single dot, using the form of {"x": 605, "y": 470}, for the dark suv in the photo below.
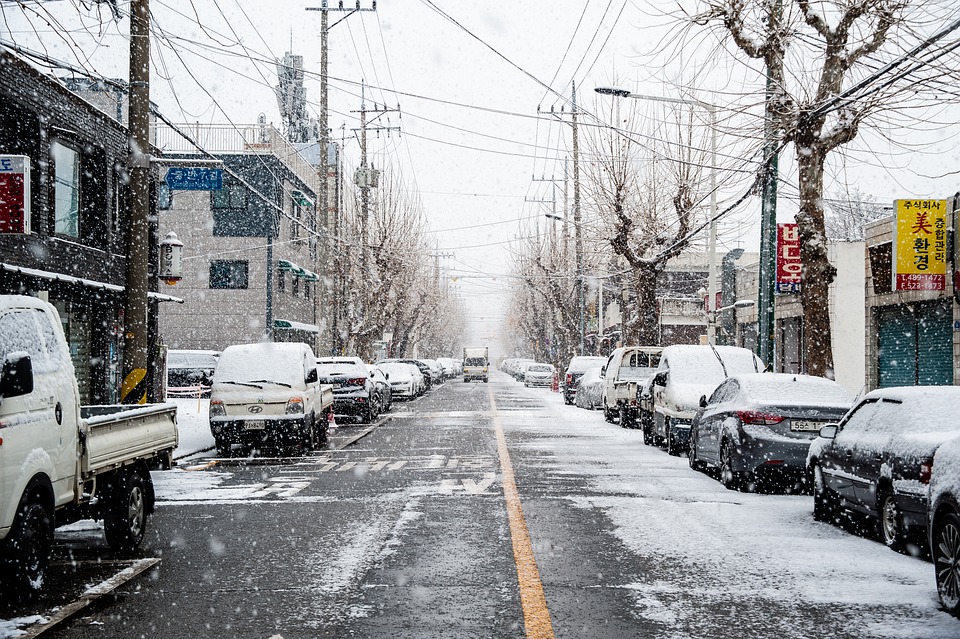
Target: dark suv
{"x": 353, "y": 390}
{"x": 575, "y": 370}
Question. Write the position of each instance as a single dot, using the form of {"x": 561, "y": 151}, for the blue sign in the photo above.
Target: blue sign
{"x": 194, "y": 179}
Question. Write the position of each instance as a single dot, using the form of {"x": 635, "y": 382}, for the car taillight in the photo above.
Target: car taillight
{"x": 758, "y": 417}
{"x": 357, "y": 381}
{"x": 926, "y": 470}
{"x": 217, "y": 409}
{"x": 569, "y": 378}
{"x": 294, "y": 405}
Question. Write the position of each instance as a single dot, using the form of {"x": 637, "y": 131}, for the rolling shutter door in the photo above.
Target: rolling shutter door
{"x": 915, "y": 348}
{"x": 935, "y": 344}
{"x": 897, "y": 354}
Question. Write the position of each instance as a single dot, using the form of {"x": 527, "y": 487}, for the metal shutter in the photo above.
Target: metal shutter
{"x": 935, "y": 344}
{"x": 897, "y": 354}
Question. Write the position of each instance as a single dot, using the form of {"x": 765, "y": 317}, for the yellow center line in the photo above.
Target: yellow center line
{"x": 536, "y": 616}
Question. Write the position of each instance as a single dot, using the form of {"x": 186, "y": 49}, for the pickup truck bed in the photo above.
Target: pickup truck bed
{"x": 117, "y": 434}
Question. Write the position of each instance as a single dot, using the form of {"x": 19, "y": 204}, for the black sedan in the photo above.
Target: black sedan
{"x": 878, "y": 460}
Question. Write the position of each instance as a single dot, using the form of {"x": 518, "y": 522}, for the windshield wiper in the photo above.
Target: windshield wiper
{"x": 243, "y": 384}
{"x": 270, "y": 381}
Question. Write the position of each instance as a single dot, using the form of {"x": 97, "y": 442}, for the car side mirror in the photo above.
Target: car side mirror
{"x": 603, "y": 372}
{"x": 16, "y": 378}
{"x": 312, "y": 376}
{"x": 829, "y": 431}
{"x": 703, "y": 401}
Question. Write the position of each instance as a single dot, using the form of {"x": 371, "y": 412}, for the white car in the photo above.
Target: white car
{"x": 403, "y": 379}
{"x": 539, "y": 374}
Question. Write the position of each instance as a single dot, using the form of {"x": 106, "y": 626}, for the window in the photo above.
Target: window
{"x": 228, "y": 274}
{"x": 296, "y": 286}
{"x": 281, "y": 281}
{"x": 233, "y": 195}
{"x": 307, "y": 287}
{"x": 66, "y": 192}
{"x": 295, "y": 221}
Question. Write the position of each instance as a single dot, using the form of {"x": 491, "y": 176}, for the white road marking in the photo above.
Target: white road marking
{"x": 468, "y": 486}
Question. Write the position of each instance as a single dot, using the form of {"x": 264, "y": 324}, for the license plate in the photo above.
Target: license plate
{"x": 805, "y": 425}
{"x": 254, "y": 425}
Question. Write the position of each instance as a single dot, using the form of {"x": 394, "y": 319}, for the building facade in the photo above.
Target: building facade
{"x": 75, "y": 252}
{"x": 251, "y": 249}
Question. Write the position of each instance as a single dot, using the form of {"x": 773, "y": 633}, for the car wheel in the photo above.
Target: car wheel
{"x": 366, "y": 416}
{"x": 125, "y": 520}
{"x": 623, "y": 419}
{"x": 607, "y": 414}
{"x": 673, "y": 446}
{"x": 692, "y": 458}
{"x": 731, "y": 480}
{"x": 890, "y": 524}
{"x": 26, "y": 556}
{"x": 945, "y": 553}
{"x": 647, "y": 433}
{"x": 824, "y": 501}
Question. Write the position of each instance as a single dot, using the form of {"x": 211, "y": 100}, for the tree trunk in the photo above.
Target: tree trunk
{"x": 818, "y": 272}
{"x": 646, "y": 324}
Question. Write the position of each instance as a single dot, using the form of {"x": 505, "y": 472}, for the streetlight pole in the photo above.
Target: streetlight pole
{"x": 712, "y": 246}
{"x": 578, "y": 236}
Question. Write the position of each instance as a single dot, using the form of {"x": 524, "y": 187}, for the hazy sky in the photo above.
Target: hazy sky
{"x": 471, "y": 136}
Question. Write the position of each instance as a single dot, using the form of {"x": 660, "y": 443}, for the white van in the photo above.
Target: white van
{"x": 268, "y": 394}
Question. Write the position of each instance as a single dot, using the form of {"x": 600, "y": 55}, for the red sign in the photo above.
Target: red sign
{"x": 14, "y": 194}
{"x": 789, "y": 266}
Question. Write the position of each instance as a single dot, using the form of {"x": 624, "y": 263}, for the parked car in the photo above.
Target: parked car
{"x": 436, "y": 371}
{"x": 406, "y": 380}
{"x": 757, "y": 427}
{"x": 539, "y": 374}
{"x": 190, "y": 372}
{"x": 449, "y": 367}
{"x": 520, "y": 368}
{"x": 685, "y": 374}
{"x": 878, "y": 460}
{"x": 575, "y": 370}
{"x": 353, "y": 389}
{"x": 425, "y": 370}
{"x": 624, "y": 372}
{"x": 944, "y": 524}
{"x": 268, "y": 394}
{"x": 382, "y": 389}
{"x": 590, "y": 389}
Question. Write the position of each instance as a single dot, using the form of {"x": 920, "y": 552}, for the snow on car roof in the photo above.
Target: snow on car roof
{"x": 784, "y": 388}
{"x": 192, "y": 359}
{"x": 264, "y": 360}
{"x": 700, "y": 365}
{"x": 921, "y": 409}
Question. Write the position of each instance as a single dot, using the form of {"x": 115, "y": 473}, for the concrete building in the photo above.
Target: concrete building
{"x": 251, "y": 249}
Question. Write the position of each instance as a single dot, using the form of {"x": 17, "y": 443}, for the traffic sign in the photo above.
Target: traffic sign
{"x": 194, "y": 179}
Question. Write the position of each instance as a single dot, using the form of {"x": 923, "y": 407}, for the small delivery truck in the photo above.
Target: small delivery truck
{"x": 476, "y": 363}
{"x": 61, "y": 462}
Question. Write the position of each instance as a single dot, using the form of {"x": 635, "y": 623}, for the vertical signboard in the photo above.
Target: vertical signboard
{"x": 789, "y": 266}
{"x": 920, "y": 245}
{"x": 14, "y": 194}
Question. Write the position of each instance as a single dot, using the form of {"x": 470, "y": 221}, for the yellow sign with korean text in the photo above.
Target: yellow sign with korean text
{"x": 920, "y": 245}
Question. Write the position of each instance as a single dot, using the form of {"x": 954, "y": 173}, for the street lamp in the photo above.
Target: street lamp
{"x": 712, "y": 111}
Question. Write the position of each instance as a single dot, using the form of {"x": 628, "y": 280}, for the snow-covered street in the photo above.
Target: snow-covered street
{"x": 406, "y": 532}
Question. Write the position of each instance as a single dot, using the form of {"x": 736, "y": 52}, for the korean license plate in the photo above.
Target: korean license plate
{"x": 254, "y": 424}
{"x": 805, "y": 425}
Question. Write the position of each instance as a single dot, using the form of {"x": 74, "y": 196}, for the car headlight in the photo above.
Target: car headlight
{"x": 294, "y": 405}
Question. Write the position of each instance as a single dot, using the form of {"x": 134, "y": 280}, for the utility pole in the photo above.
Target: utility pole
{"x": 324, "y": 141}
{"x": 578, "y": 235}
{"x": 367, "y": 177}
{"x": 135, "y": 339}
{"x": 768, "y": 222}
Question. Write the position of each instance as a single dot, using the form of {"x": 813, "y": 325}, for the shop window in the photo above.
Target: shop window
{"x": 228, "y": 274}
{"x": 66, "y": 192}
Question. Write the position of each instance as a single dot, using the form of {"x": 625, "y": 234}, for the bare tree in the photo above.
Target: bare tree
{"x": 812, "y": 51}
{"x": 647, "y": 195}
{"x": 846, "y": 215}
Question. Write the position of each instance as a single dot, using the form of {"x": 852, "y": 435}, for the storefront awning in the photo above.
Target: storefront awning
{"x": 290, "y": 325}
{"x": 70, "y": 279}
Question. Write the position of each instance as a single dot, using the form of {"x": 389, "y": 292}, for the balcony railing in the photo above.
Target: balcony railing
{"x": 220, "y": 139}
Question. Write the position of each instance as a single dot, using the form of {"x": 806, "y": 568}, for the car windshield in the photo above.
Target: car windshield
{"x": 539, "y": 368}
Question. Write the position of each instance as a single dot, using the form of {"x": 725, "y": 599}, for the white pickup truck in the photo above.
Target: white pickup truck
{"x": 60, "y": 462}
